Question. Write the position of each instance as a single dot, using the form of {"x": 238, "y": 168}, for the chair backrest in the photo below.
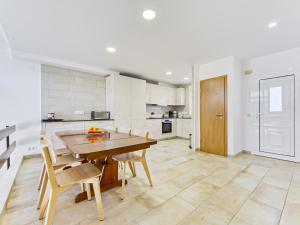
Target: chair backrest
{"x": 124, "y": 130}
{"x": 139, "y": 132}
{"x": 48, "y": 163}
{"x": 110, "y": 128}
{"x": 46, "y": 142}
{"x": 144, "y": 150}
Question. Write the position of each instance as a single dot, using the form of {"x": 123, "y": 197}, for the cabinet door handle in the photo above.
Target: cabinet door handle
{"x": 219, "y": 115}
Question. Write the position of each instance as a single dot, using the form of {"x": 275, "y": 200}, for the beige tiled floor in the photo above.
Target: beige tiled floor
{"x": 189, "y": 188}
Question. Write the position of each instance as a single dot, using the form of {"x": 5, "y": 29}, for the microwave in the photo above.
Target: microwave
{"x": 103, "y": 115}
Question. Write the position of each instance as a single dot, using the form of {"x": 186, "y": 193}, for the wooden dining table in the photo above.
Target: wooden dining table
{"x": 100, "y": 149}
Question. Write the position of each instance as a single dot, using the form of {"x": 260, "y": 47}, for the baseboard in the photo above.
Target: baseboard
{"x": 33, "y": 156}
{"x": 7, "y": 183}
{"x": 9, "y": 177}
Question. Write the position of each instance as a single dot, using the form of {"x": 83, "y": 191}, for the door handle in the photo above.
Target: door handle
{"x": 219, "y": 115}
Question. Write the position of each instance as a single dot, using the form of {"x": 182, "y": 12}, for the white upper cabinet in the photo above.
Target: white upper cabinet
{"x": 155, "y": 94}
{"x": 180, "y": 96}
{"x": 162, "y": 98}
{"x": 171, "y": 95}
{"x": 164, "y": 95}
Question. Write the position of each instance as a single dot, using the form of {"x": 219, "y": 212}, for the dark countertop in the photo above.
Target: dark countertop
{"x": 167, "y": 118}
{"x": 65, "y": 121}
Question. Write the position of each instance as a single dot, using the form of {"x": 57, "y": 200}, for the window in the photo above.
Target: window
{"x": 275, "y": 99}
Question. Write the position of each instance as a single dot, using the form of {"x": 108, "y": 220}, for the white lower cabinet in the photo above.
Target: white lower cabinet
{"x": 123, "y": 125}
{"x": 100, "y": 124}
{"x": 138, "y": 126}
{"x": 52, "y": 127}
{"x": 154, "y": 128}
{"x": 184, "y": 128}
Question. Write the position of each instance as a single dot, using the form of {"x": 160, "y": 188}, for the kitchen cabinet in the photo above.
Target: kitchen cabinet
{"x": 180, "y": 96}
{"x": 138, "y": 99}
{"x": 154, "y": 127}
{"x": 171, "y": 95}
{"x": 153, "y": 94}
{"x": 127, "y": 98}
{"x": 184, "y": 128}
{"x": 123, "y": 99}
{"x": 51, "y": 128}
{"x": 164, "y": 95}
{"x": 159, "y": 95}
{"x": 149, "y": 93}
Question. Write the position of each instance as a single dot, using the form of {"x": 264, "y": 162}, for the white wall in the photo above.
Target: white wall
{"x": 65, "y": 91}
{"x": 20, "y": 98}
{"x": 20, "y": 104}
{"x": 231, "y": 67}
{"x": 283, "y": 63}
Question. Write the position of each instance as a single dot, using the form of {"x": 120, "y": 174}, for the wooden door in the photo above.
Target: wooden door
{"x": 213, "y": 115}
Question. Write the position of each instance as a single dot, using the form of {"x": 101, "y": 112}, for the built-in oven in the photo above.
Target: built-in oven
{"x": 166, "y": 126}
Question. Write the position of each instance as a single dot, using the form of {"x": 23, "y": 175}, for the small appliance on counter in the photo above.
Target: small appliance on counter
{"x": 103, "y": 115}
{"x": 165, "y": 116}
{"x": 172, "y": 114}
{"x": 51, "y": 116}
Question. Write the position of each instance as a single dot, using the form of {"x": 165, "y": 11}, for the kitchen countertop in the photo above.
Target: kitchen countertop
{"x": 65, "y": 121}
{"x": 89, "y": 120}
{"x": 166, "y": 118}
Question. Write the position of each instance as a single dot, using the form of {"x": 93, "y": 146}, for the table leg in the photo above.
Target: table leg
{"x": 108, "y": 180}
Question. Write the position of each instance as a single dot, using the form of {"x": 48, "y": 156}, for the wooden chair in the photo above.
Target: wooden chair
{"x": 123, "y": 130}
{"x": 85, "y": 173}
{"x": 59, "y": 161}
{"x": 59, "y": 152}
{"x": 111, "y": 128}
{"x": 131, "y": 158}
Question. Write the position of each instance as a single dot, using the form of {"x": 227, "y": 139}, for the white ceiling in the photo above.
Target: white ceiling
{"x": 184, "y": 32}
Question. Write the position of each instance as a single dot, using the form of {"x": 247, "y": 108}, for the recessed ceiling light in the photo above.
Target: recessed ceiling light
{"x": 186, "y": 78}
{"x": 272, "y": 25}
{"x": 168, "y": 73}
{"x": 111, "y": 49}
{"x": 149, "y": 14}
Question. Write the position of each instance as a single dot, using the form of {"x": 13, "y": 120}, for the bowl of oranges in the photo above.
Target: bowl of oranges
{"x": 95, "y": 131}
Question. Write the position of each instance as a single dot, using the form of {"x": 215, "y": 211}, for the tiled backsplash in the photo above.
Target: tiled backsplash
{"x": 160, "y": 110}
{"x": 157, "y": 110}
{"x": 66, "y": 91}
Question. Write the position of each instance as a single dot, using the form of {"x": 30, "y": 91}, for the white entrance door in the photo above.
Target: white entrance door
{"x": 277, "y": 115}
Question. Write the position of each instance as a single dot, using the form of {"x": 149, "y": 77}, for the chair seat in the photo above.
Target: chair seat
{"x": 76, "y": 174}
{"x": 62, "y": 151}
{"x": 127, "y": 157}
{"x": 65, "y": 160}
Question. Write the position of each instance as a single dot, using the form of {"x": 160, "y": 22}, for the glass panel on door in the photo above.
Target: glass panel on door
{"x": 275, "y": 99}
